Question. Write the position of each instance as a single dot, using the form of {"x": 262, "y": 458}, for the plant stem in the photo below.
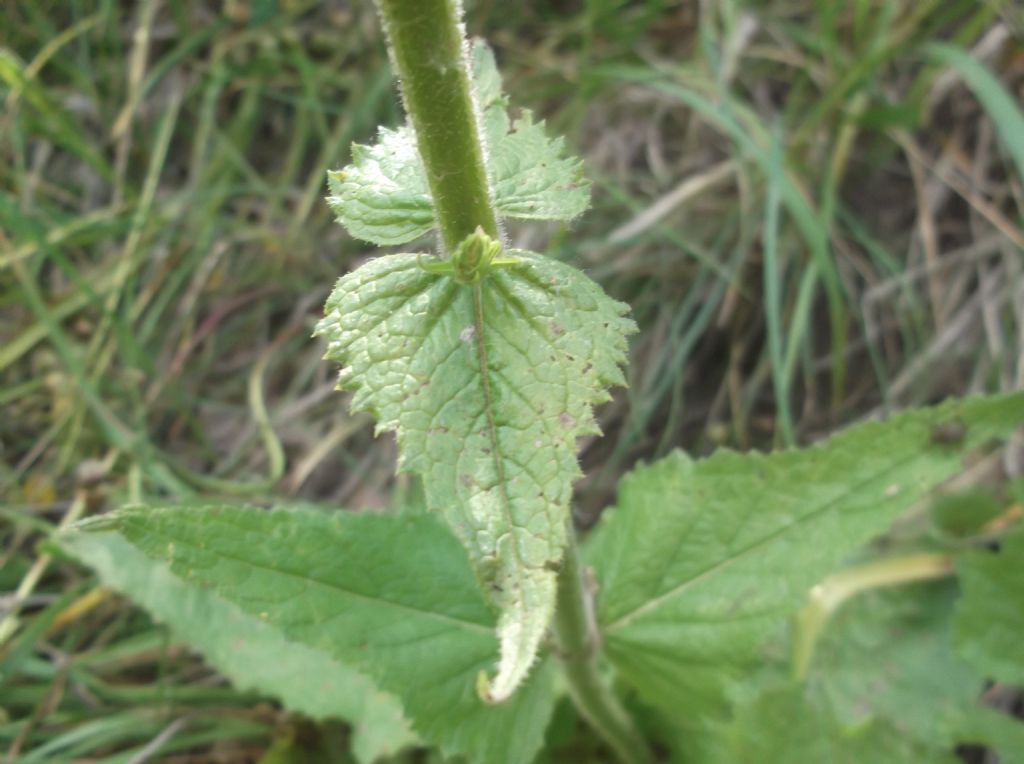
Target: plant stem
{"x": 830, "y": 594}
{"x": 578, "y": 647}
{"x": 429, "y": 54}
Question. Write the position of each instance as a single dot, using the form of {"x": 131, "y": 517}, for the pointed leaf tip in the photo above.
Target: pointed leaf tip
{"x": 520, "y": 631}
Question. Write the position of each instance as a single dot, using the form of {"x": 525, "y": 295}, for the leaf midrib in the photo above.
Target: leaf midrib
{"x": 652, "y": 604}
{"x": 492, "y": 427}
{"x": 462, "y": 623}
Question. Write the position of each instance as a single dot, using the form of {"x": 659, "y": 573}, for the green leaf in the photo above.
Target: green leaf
{"x": 531, "y": 179}
{"x": 990, "y": 618}
{"x": 486, "y": 78}
{"x": 252, "y": 653}
{"x": 999, "y": 731}
{"x": 487, "y": 387}
{"x": 529, "y": 176}
{"x": 391, "y": 595}
{"x": 783, "y": 725}
{"x": 965, "y": 513}
{"x": 888, "y": 654}
{"x": 1002, "y": 106}
{"x": 383, "y": 196}
{"x": 887, "y": 651}
{"x": 702, "y": 559}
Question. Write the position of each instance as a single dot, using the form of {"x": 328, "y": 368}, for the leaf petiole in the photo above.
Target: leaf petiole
{"x": 473, "y": 258}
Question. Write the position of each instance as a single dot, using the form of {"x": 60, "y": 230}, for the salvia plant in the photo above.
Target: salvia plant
{"x": 701, "y": 619}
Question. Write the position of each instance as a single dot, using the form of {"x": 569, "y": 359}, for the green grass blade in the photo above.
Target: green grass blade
{"x": 1000, "y": 105}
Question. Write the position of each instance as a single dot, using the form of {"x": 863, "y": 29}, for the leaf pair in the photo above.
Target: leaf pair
{"x": 383, "y": 196}
{"x": 700, "y": 563}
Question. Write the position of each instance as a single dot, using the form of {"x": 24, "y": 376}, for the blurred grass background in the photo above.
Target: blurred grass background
{"x": 815, "y": 208}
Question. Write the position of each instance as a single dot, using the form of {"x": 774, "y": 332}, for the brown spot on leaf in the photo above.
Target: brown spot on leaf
{"x": 950, "y": 433}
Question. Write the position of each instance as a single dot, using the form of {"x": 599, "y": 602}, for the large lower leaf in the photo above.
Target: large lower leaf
{"x": 989, "y": 625}
{"x": 889, "y": 655}
{"x": 391, "y": 595}
{"x": 887, "y": 651}
{"x": 996, "y": 729}
{"x": 701, "y": 559}
{"x": 253, "y": 653}
{"x": 782, "y": 725}
{"x": 487, "y": 387}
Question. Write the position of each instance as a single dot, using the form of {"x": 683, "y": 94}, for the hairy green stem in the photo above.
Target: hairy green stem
{"x": 428, "y": 51}
{"x": 578, "y": 647}
{"x": 429, "y": 54}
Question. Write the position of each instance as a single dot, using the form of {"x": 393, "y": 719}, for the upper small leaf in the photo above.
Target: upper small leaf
{"x": 989, "y": 626}
{"x": 703, "y": 559}
{"x": 389, "y": 594}
{"x": 383, "y": 196}
{"x": 487, "y": 387}
{"x": 532, "y": 180}
{"x": 486, "y": 77}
